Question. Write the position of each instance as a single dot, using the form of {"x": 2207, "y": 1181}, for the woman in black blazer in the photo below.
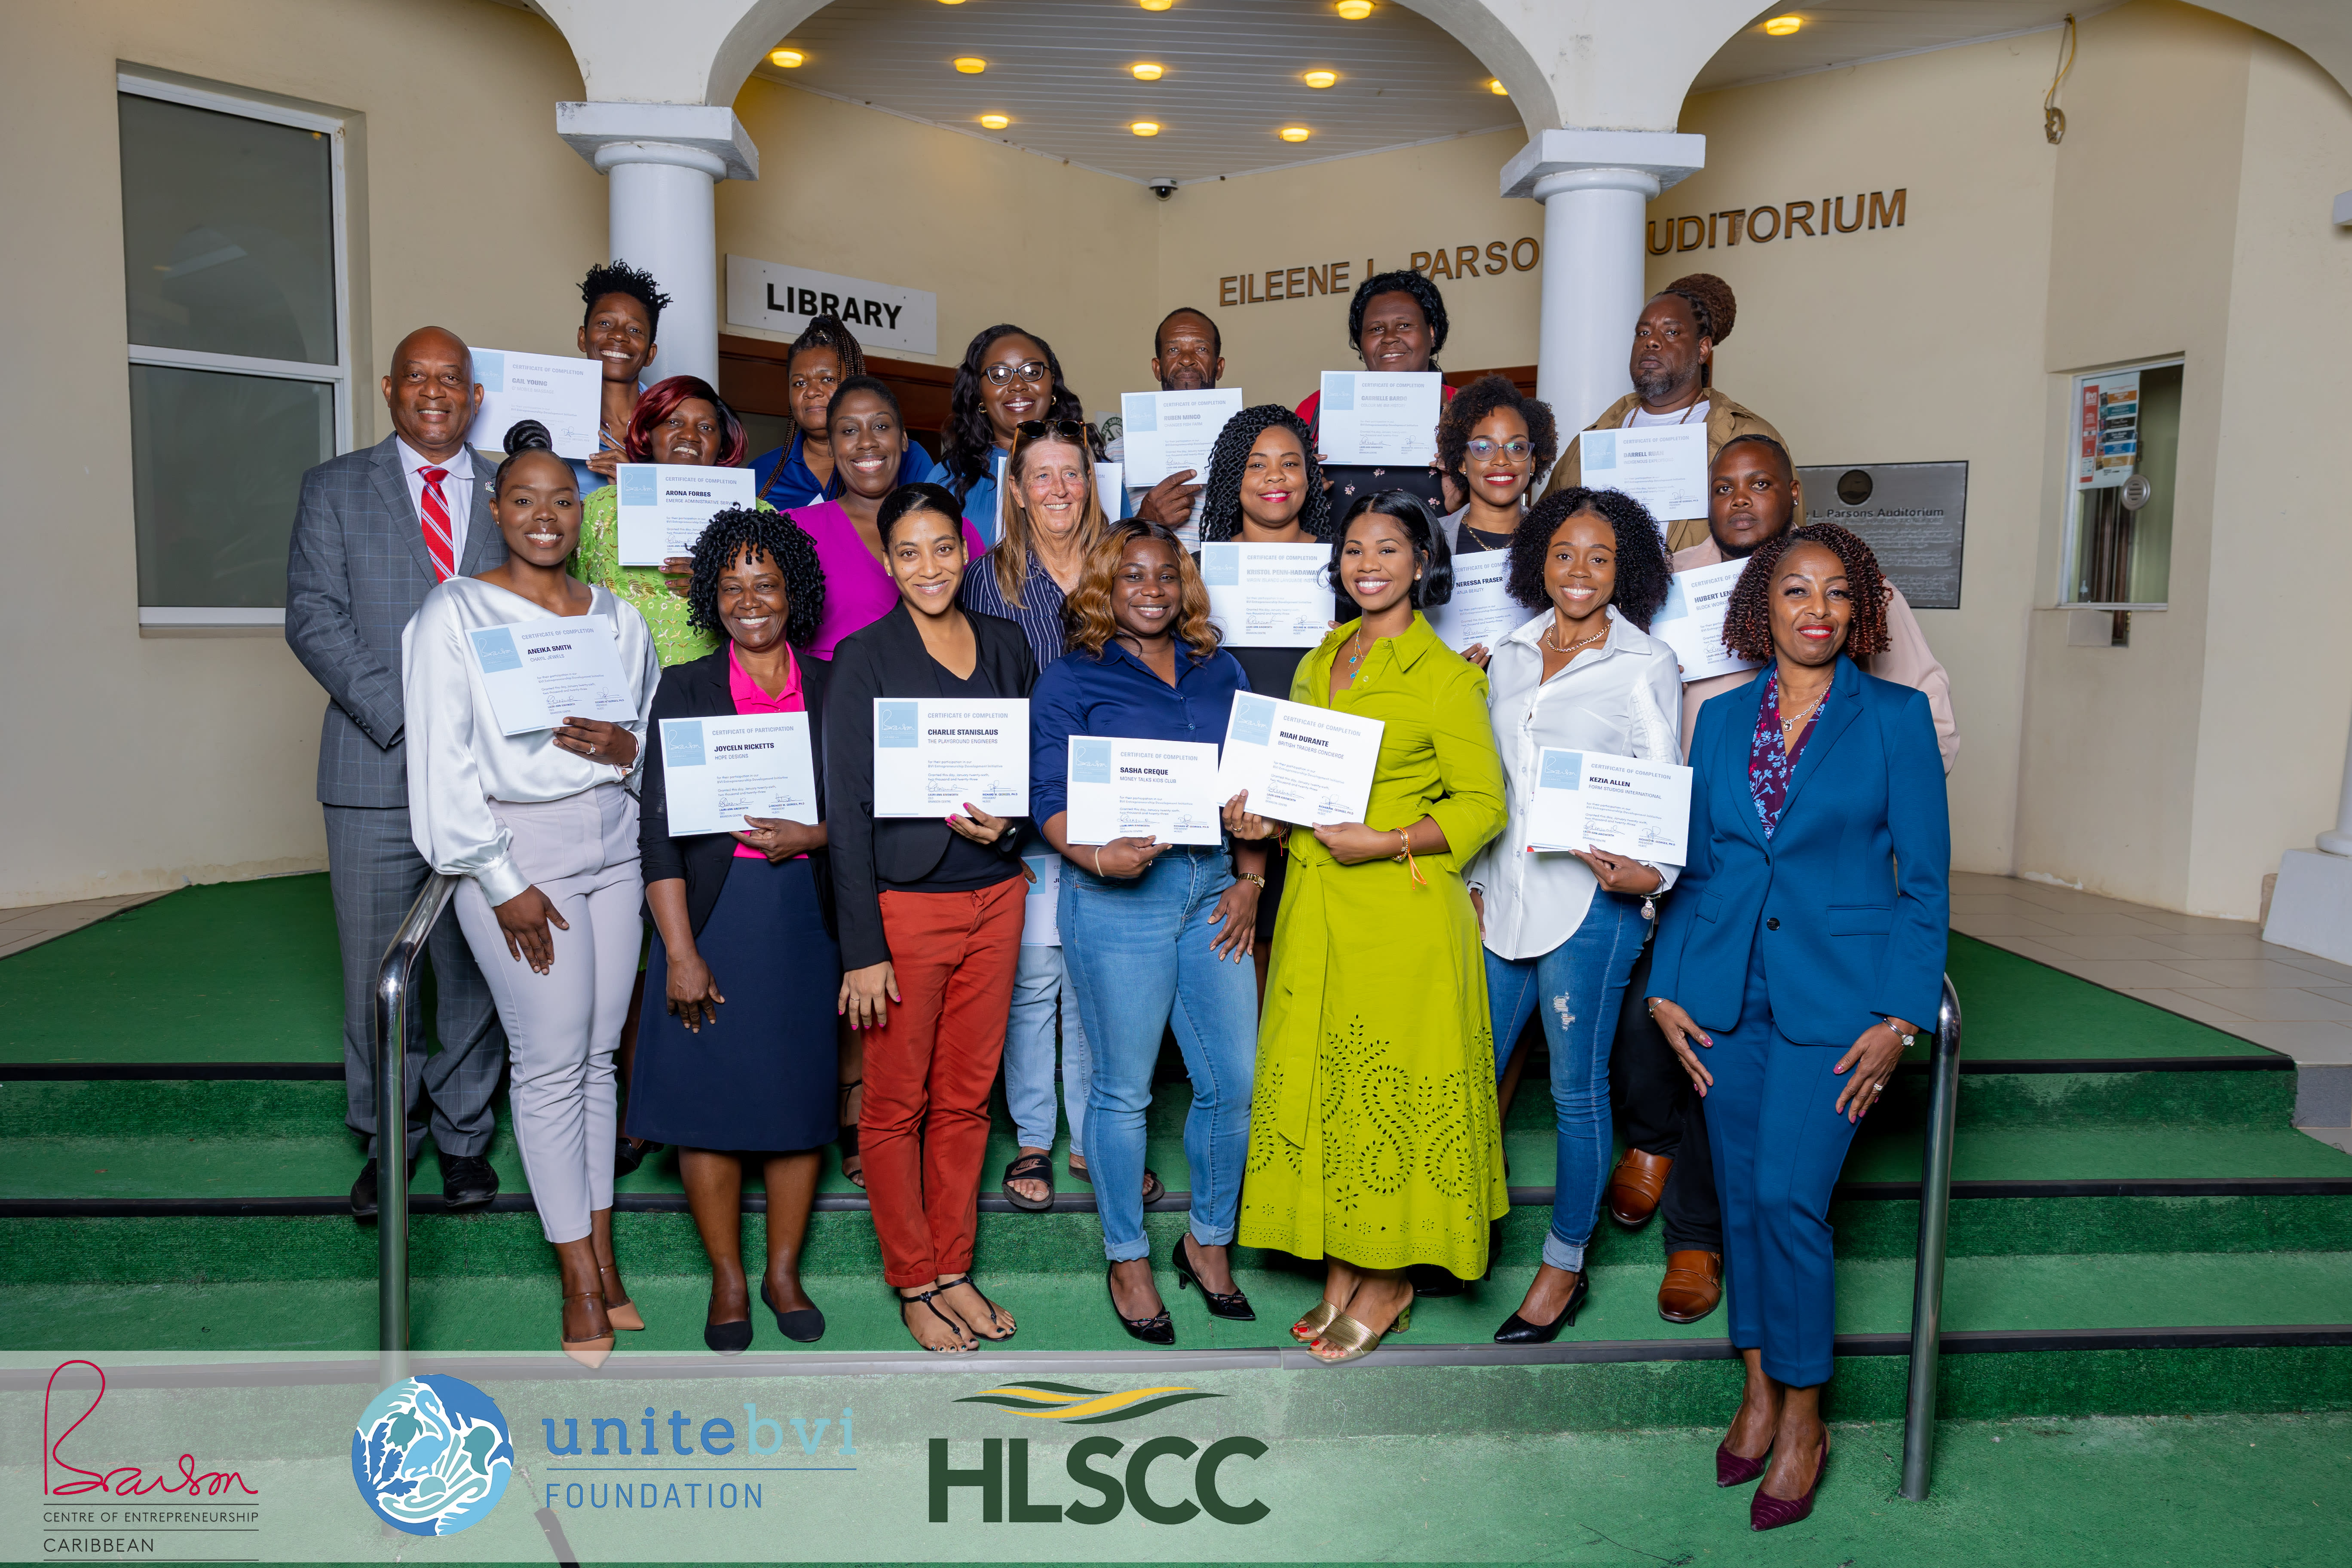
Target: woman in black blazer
{"x": 930, "y": 926}
{"x": 736, "y": 1054}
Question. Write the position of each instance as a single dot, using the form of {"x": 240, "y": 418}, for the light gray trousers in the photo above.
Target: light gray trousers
{"x": 563, "y": 1026}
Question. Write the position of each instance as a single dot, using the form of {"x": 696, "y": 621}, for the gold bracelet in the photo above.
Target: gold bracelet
{"x": 1252, "y": 877}
{"x": 1098, "y": 870}
{"x": 1404, "y": 838}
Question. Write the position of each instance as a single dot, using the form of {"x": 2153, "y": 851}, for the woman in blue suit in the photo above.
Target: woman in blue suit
{"x": 1800, "y": 952}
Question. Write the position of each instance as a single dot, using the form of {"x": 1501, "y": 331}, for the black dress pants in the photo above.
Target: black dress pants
{"x": 1659, "y": 1114}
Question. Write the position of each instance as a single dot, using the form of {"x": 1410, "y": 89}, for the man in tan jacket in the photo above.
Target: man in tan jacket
{"x": 1666, "y": 1168}
{"x": 1672, "y": 367}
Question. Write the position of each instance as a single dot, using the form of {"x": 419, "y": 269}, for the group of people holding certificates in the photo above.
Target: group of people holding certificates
{"x": 1358, "y": 766}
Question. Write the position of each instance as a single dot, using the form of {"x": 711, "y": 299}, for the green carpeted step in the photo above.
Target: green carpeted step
{"x": 2012, "y": 1006}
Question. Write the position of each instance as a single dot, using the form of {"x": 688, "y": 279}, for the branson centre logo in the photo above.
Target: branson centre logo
{"x": 1001, "y": 1476}
{"x": 431, "y": 1454}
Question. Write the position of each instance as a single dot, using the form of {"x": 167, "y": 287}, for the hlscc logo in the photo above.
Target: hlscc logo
{"x": 431, "y": 1454}
{"x": 1001, "y": 1476}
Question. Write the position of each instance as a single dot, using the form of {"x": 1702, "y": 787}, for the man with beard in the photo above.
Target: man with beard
{"x": 1666, "y": 1168}
{"x": 1673, "y": 370}
{"x": 1188, "y": 354}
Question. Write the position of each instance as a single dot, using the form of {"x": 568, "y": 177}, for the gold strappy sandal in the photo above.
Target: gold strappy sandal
{"x": 1354, "y": 1340}
{"x": 1309, "y": 1329}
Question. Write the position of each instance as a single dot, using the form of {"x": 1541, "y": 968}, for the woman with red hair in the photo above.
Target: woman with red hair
{"x": 681, "y": 420}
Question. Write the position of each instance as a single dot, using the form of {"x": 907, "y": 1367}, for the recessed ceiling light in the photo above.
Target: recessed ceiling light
{"x": 1781, "y": 27}
{"x": 971, "y": 65}
{"x": 1355, "y": 10}
{"x": 1145, "y": 71}
{"x": 1320, "y": 79}
{"x": 1145, "y": 127}
{"x": 786, "y": 58}
{"x": 994, "y": 121}
{"x": 1295, "y": 133}
{"x": 1495, "y": 85}
{"x": 1155, "y": 5}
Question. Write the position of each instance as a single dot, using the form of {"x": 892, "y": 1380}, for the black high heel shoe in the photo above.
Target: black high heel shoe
{"x": 1518, "y": 1330}
{"x": 1159, "y": 1329}
{"x": 1235, "y": 1307}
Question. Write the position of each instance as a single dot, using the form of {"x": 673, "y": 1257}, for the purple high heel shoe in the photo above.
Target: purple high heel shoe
{"x": 1766, "y": 1511}
{"x": 1731, "y": 1470}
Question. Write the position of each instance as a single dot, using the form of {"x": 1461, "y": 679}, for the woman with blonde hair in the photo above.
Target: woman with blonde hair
{"x": 1154, "y": 933}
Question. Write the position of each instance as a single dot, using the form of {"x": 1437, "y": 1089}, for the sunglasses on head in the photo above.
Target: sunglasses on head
{"x": 1071, "y": 430}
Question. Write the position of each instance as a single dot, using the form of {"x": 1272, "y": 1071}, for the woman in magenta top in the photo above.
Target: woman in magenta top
{"x": 868, "y": 441}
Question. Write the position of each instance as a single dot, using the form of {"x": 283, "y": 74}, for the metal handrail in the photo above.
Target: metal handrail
{"x": 1927, "y": 1284}
{"x": 394, "y": 981}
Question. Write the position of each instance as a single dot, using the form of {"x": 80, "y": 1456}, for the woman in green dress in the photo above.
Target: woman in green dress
{"x": 1373, "y": 1140}
{"x": 680, "y": 420}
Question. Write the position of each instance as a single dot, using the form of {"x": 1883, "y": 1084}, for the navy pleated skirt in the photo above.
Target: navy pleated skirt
{"x": 761, "y": 1078}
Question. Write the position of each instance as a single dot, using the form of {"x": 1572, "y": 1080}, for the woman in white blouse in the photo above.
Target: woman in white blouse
{"x": 1564, "y": 929}
{"x": 545, "y": 835}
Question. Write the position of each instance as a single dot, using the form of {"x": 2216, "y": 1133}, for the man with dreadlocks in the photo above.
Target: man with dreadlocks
{"x": 1673, "y": 367}
{"x": 623, "y": 308}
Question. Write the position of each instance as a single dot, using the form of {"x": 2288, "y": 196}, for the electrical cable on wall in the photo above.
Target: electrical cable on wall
{"x": 2053, "y": 118}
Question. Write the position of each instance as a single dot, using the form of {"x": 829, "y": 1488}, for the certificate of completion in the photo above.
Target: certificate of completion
{"x": 1622, "y": 805}
{"x": 1481, "y": 610}
{"x": 1691, "y": 621}
{"x": 1664, "y": 466}
{"x": 1041, "y": 924}
{"x": 720, "y": 770}
{"x": 1300, "y": 764}
{"x": 664, "y": 507}
{"x": 1167, "y": 432}
{"x": 1370, "y": 419}
{"x": 564, "y": 395}
{"x": 1268, "y": 596}
{"x": 1165, "y": 789}
{"x": 539, "y": 673}
{"x": 933, "y": 756}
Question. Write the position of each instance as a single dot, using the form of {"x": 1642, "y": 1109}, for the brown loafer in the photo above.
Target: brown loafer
{"x": 1693, "y": 1285}
{"x": 1634, "y": 1186}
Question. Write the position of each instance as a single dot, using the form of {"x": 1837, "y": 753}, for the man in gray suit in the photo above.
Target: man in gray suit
{"x": 375, "y": 530}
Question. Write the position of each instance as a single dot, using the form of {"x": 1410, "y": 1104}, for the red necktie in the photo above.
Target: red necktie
{"x": 436, "y": 526}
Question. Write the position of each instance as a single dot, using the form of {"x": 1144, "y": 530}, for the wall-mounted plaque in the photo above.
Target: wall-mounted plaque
{"x": 1913, "y": 515}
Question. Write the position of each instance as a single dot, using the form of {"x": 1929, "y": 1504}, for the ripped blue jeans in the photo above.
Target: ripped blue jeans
{"x": 1579, "y": 986}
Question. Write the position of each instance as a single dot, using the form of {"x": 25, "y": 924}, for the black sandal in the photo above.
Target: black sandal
{"x": 925, "y": 1300}
{"x": 1154, "y": 1189}
{"x": 966, "y": 1279}
{"x": 1030, "y": 1168}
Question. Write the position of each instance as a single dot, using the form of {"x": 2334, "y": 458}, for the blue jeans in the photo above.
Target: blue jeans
{"x": 1040, "y": 989}
{"x": 1582, "y": 983}
{"x": 1139, "y": 958}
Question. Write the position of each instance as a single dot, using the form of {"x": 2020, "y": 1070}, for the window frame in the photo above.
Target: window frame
{"x": 337, "y": 375}
{"x": 2070, "y": 534}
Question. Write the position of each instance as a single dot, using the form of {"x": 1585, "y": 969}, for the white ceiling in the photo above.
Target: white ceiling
{"x": 1059, "y": 69}
{"x": 1844, "y": 33}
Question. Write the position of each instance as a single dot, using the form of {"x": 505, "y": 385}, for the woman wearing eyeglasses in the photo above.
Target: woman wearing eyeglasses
{"x": 1007, "y": 375}
{"x": 1493, "y": 443}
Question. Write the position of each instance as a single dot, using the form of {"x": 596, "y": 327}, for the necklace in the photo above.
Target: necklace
{"x": 1790, "y": 726}
{"x": 1581, "y": 642}
{"x": 1356, "y": 642}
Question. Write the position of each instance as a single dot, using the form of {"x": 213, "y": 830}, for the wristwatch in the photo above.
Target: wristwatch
{"x": 1908, "y": 1040}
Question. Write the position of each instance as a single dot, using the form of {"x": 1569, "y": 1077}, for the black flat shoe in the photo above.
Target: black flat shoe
{"x": 1429, "y": 1280}
{"x": 363, "y": 1193}
{"x": 1235, "y": 1306}
{"x": 466, "y": 1181}
{"x": 1518, "y": 1330}
{"x": 628, "y": 1153}
{"x": 805, "y": 1325}
{"x": 728, "y": 1339}
{"x": 1159, "y": 1329}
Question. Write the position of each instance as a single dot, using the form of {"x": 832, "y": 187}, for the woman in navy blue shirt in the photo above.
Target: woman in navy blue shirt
{"x": 1152, "y": 933}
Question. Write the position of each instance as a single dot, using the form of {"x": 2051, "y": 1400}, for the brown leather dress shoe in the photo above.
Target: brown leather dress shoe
{"x": 1634, "y": 1188}
{"x": 1693, "y": 1285}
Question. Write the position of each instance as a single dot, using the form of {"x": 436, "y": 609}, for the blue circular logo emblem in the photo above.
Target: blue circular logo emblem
{"x": 431, "y": 1454}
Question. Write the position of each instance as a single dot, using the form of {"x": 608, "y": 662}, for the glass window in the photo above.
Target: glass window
{"x": 2124, "y": 446}
{"x": 239, "y": 349}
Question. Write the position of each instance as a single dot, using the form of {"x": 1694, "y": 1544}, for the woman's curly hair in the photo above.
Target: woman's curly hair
{"x": 966, "y": 440}
{"x": 1470, "y": 409}
{"x": 1747, "y": 619}
{"x": 738, "y": 528}
{"x": 1221, "y": 502}
{"x": 1092, "y": 626}
{"x": 1425, "y": 294}
{"x": 1644, "y": 572}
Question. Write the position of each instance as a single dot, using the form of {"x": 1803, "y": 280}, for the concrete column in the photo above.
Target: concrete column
{"x": 662, "y": 162}
{"x": 1595, "y": 186}
{"x": 2311, "y": 905}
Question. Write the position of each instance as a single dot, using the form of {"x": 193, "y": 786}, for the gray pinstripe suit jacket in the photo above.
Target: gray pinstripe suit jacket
{"x": 355, "y": 571}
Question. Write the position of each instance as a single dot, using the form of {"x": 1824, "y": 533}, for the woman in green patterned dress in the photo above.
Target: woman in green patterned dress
{"x": 1373, "y": 1139}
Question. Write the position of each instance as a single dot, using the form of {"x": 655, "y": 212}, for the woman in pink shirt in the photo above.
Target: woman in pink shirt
{"x": 735, "y": 1055}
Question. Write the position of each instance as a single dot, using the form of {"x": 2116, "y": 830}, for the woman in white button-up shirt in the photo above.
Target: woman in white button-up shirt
{"x": 545, "y": 835}
{"x": 1562, "y": 930}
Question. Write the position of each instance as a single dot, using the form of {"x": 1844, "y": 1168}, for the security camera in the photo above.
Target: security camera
{"x": 1163, "y": 187}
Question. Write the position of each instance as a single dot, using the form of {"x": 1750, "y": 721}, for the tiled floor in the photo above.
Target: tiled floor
{"x": 2219, "y": 973}
{"x": 37, "y": 923}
